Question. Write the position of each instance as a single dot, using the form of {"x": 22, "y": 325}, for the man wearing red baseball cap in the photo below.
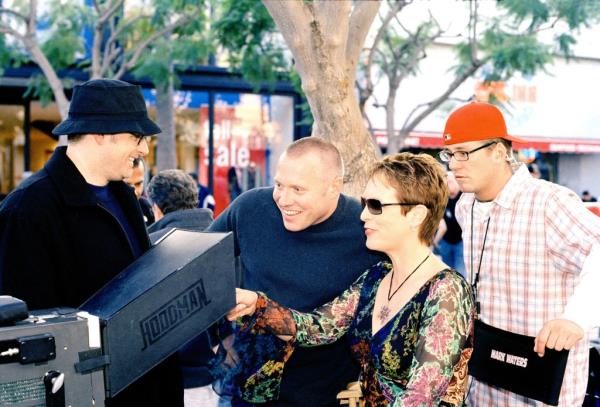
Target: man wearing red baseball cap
{"x": 532, "y": 250}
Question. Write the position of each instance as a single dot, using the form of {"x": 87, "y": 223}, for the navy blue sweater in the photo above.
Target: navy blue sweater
{"x": 301, "y": 270}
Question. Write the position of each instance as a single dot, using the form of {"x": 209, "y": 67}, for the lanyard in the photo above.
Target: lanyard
{"x": 475, "y": 276}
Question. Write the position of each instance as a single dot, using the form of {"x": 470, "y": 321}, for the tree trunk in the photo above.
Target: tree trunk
{"x": 326, "y": 38}
{"x": 50, "y": 74}
{"x": 54, "y": 81}
{"x": 166, "y": 157}
{"x": 390, "y": 112}
{"x": 338, "y": 119}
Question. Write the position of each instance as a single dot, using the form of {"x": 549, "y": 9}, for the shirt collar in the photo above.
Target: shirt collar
{"x": 513, "y": 187}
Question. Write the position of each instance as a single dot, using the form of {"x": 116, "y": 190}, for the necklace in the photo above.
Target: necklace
{"x": 385, "y": 311}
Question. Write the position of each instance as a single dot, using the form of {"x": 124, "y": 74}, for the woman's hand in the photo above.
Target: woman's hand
{"x": 245, "y": 304}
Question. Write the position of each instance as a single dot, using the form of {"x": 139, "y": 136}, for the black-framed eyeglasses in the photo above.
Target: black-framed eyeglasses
{"x": 375, "y": 206}
{"x": 140, "y": 137}
{"x": 447, "y": 155}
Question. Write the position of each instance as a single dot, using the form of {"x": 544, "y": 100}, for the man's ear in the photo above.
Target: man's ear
{"x": 498, "y": 152}
{"x": 337, "y": 184}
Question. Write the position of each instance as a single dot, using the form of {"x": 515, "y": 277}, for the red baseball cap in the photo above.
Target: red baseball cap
{"x": 476, "y": 121}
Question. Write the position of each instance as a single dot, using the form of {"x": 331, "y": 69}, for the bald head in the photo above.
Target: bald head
{"x": 327, "y": 154}
{"x": 308, "y": 183}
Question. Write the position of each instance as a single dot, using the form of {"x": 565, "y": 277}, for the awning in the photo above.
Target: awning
{"x": 418, "y": 139}
{"x": 594, "y": 207}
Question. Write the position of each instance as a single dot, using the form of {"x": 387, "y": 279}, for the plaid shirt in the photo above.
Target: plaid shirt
{"x": 538, "y": 239}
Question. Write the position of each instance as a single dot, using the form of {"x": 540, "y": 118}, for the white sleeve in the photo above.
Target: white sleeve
{"x": 582, "y": 308}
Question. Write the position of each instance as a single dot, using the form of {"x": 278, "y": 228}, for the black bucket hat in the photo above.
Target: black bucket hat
{"x": 107, "y": 106}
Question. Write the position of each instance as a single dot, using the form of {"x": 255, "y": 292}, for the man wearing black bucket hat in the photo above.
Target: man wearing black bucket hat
{"x": 74, "y": 225}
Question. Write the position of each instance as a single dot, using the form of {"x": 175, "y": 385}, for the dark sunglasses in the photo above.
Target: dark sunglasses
{"x": 375, "y": 206}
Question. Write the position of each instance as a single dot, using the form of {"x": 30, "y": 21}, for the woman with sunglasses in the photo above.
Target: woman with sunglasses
{"x": 409, "y": 320}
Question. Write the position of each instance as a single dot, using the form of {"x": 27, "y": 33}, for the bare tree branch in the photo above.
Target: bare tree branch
{"x": 104, "y": 16}
{"x": 4, "y": 10}
{"x": 109, "y": 12}
{"x": 7, "y": 30}
{"x": 540, "y": 28}
{"x": 122, "y": 27}
{"x": 409, "y": 124}
{"x": 109, "y": 60}
{"x": 360, "y": 21}
{"x": 368, "y": 91}
{"x": 97, "y": 7}
{"x": 111, "y": 49}
{"x": 32, "y": 21}
{"x": 126, "y": 66}
{"x": 297, "y": 35}
{"x": 473, "y": 30}
{"x": 333, "y": 18}
{"x": 96, "y": 46}
{"x": 406, "y": 30}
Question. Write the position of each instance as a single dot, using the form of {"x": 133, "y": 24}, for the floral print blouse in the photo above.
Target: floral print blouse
{"x": 418, "y": 358}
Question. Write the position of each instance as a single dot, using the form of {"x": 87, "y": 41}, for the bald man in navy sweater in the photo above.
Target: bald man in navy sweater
{"x": 302, "y": 243}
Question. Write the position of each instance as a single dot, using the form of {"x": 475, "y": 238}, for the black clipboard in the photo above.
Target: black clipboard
{"x": 507, "y": 360}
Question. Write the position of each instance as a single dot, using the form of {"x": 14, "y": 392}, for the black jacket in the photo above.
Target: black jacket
{"x": 196, "y": 219}
{"x": 58, "y": 246}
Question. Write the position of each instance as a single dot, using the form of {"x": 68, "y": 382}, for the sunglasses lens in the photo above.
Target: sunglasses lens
{"x": 373, "y": 205}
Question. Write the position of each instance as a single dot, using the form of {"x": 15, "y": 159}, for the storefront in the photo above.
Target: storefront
{"x": 248, "y": 132}
{"x": 215, "y": 111}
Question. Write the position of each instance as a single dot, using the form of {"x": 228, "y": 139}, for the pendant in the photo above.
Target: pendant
{"x": 384, "y": 313}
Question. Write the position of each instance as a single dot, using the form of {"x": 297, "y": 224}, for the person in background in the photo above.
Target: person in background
{"x": 532, "y": 250}
{"x": 448, "y": 240}
{"x": 74, "y": 225}
{"x": 174, "y": 196}
{"x": 205, "y": 198}
{"x": 302, "y": 243}
{"x": 409, "y": 320}
{"x": 534, "y": 170}
{"x": 136, "y": 181}
{"x": 587, "y": 197}
{"x": 233, "y": 184}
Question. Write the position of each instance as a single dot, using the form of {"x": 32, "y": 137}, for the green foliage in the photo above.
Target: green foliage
{"x": 187, "y": 45}
{"x": 399, "y": 55}
{"x": 576, "y": 12}
{"x": 60, "y": 41}
{"x": 534, "y": 11}
{"x": 509, "y": 53}
{"x": 64, "y": 44}
{"x": 39, "y": 89}
{"x": 248, "y": 35}
{"x": 510, "y": 43}
{"x": 246, "y": 31}
{"x": 564, "y": 42}
{"x": 10, "y": 55}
